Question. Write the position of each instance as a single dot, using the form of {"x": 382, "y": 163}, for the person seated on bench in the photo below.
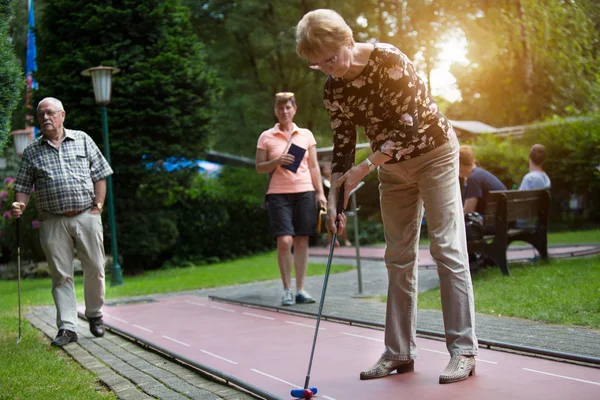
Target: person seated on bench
{"x": 479, "y": 181}
{"x": 536, "y": 178}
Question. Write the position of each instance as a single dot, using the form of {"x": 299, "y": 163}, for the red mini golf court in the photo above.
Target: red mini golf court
{"x": 267, "y": 352}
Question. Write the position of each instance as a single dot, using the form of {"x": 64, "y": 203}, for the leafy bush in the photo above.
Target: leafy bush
{"x": 503, "y": 157}
{"x": 11, "y": 77}
{"x": 573, "y": 155}
{"x": 31, "y": 249}
{"x": 213, "y": 228}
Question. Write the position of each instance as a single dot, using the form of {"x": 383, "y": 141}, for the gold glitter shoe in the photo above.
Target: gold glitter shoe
{"x": 458, "y": 369}
{"x": 385, "y": 367}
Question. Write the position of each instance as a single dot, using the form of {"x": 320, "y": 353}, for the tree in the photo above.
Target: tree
{"x": 253, "y": 44}
{"x": 161, "y": 106}
{"x": 11, "y": 76}
{"x": 530, "y": 59}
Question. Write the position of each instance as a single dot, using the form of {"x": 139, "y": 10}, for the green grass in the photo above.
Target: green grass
{"x": 565, "y": 292}
{"x": 554, "y": 238}
{"x": 34, "y": 370}
{"x": 252, "y": 269}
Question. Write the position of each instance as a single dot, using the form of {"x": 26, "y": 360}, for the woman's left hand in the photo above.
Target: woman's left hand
{"x": 351, "y": 179}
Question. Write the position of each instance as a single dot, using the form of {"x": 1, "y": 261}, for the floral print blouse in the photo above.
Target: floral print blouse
{"x": 382, "y": 100}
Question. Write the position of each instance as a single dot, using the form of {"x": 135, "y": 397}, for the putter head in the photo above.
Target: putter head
{"x": 299, "y": 393}
{"x": 18, "y": 340}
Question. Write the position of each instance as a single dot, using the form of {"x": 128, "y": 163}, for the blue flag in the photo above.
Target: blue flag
{"x": 31, "y": 50}
{"x": 31, "y": 64}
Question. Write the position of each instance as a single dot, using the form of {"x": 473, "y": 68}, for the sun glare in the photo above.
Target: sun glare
{"x": 453, "y": 49}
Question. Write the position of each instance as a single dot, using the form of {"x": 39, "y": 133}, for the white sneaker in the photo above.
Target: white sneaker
{"x": 287, "y": 298}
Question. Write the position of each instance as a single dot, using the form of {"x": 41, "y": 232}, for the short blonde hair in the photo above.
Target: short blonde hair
{"x": 466, "y": 156}
{"x": 320, "y": 30}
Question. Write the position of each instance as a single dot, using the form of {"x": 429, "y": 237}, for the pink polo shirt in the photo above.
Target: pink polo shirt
{"x": 273, "y": 141}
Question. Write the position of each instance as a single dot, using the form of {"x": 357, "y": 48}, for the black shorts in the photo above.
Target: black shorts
{"x": 293, "y": 214}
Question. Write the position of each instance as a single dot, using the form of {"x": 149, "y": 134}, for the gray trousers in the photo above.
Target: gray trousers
{"x": 59, "y": 237}
{"x": 431, "y": 182}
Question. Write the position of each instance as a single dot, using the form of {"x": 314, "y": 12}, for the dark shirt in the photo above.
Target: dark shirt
{"x": 383, "y": 100}
{"x": 479, "y": 183}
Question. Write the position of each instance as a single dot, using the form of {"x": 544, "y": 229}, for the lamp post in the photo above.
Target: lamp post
{"x": 101, "y": 79}
{"x": 21, "y": 139}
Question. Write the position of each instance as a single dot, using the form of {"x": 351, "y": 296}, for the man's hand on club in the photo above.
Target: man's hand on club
{"x": 16, "y": 209}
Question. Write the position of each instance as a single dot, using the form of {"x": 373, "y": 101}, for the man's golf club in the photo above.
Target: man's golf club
{"x": 306, "y": 392}
{"x": 19, "y": 274}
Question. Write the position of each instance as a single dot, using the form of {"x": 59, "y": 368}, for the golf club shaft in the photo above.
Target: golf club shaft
{"x": 19, "y": 273}
{"x": 339, "y": 210}
{"x": 312, "y": 352}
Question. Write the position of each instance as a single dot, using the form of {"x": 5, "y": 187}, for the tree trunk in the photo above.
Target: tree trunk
{"x": 526, "y": 60}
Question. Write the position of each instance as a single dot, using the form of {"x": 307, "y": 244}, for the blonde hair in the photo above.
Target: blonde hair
{"x": 466, "y": 156}
{"x": 321, "y": 30}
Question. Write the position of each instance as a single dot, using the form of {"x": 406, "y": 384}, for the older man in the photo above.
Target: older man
{"x": 68, "y": 172}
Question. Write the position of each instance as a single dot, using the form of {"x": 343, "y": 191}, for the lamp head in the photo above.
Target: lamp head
{"x": 101, "y": 79}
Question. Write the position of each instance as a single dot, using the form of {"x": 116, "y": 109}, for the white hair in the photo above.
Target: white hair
{"x": 56, "y": 102}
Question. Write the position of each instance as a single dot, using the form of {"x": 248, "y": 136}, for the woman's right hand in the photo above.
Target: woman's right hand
{"x": 285, "y": 159}
{"x": 333, "y": 216}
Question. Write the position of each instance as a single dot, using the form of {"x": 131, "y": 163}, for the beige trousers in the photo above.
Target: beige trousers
{"x": 59, "y": 237}
{"x": 429, "y": 181}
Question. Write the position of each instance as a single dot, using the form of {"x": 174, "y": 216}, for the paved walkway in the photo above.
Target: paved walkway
{"x": 135, "y": 373}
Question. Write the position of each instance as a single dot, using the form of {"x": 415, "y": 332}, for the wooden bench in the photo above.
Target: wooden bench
{"x": 502, "y": 211}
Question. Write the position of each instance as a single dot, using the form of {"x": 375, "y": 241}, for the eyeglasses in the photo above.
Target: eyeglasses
{"x": 326, "y": 63}
{"x": 48, "y": 113}
{"x": 284, "y": 94}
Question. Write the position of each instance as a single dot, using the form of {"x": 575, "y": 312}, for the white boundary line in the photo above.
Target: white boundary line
{"x": 142, "y": 328}
{"x": 277, "y": 379}
{"x": 259, "y": 316}
{"x": 219, "y": 357}
{"x": 362, "y": 337}
{"x": 175, "y": 340}
{"x": 194, "y": 303}
{"x": 222, "y": 308}
{"x": 304, "y": 325}
{"x": 561, "y": 376}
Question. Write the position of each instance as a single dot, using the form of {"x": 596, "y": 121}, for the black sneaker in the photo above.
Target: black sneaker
{"x": 64, "y": 337}
{"x": 96, "y": 326}
{"x": 303, "y": 297}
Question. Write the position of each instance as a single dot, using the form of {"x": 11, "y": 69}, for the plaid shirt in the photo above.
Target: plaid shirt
{"x": 63, "y": 180}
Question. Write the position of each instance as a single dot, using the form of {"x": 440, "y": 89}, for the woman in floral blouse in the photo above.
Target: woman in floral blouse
{"x": 415, "y": 151}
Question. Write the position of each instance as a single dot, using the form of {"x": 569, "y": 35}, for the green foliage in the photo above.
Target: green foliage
{"x": 11, "y": 76}
{"x": 161, "y": 105}
{"x": 253, "y": 43}
{"x": 502, "y": 157}
{"x": 31, "y": 249}
{"x": 526, "y": 67}
{"x": 236, "y": 183}
{"x": 573, "y": 155}
{"x": 218, "y": 225}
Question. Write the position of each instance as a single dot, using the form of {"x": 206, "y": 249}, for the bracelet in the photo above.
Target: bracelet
{"x": 370, "y": 164}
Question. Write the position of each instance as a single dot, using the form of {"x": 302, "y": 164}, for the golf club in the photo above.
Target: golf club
{"x": 306, "y": 392}
{"x": 19, "y": 274}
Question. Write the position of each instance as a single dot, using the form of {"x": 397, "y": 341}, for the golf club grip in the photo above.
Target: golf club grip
{"x": 18, "y": 232}
{"x": 340, "y": 202}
